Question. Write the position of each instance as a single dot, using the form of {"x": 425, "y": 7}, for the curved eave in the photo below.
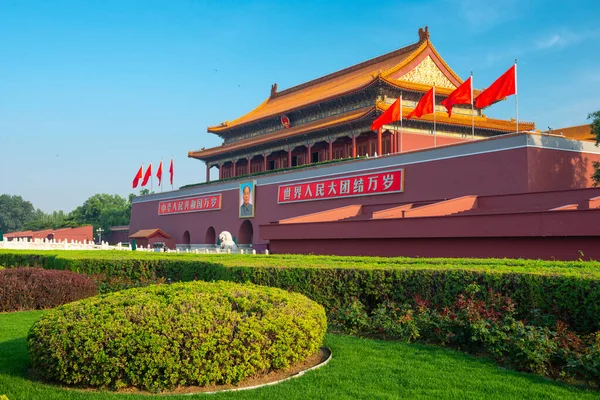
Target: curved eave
{"x": 219, "y": 129}
{"x": 226, "y": 125}
{"x": 335, "y": 120}
{"x": 465, "y": 121}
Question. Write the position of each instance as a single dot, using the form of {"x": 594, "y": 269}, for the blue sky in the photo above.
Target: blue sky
{"x": 89, "y": 90}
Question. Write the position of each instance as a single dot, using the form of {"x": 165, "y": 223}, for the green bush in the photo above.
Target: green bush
{"x": 484, "y": 323}
{"x": 569, "y": 291}
{"x": 163, "y": 336}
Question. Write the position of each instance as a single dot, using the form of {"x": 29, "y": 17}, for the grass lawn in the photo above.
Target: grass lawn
{"x": 360, "y": 369}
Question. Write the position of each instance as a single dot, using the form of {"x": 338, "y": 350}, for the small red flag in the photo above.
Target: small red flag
{"x": 147, "y": 175}
{"x": 138, "y": 176}
{"x": 425, "y": 105}
{"x": 159, "y": 173}
{"x": 462, "y": 95}
{"x": 504, "y": 86}
{"x": 390, "y": 115}
{"x": 171, "y": 171}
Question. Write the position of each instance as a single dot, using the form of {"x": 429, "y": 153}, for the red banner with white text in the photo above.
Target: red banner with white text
{"x": 192, "y": 204}
{"x": 359, "y": 185}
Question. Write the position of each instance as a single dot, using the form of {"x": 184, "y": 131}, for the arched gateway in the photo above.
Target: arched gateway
{"x": 245, "y": 233}
{"x": 211, "y": 236}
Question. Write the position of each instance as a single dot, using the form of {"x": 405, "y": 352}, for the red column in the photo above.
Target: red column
{"x": 207, "y": 173}
{"x": 353, "y": 146}
{"x": 289, "y": 158}
{"x": 264, "y": 162}
{"x": 330, "y": 150}
{"x": 221, "y": 170}
{"x": 234, "y": 162}
{"x": 399, "y": 141}
{"x": 379, "y": 142}
{"x": 393, "y": 142}
{"x": 308, "y": 154}
{"x": 249, "y": 165}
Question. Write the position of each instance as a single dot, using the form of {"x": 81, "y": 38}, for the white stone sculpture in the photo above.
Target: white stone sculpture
{"x": 227, "y": 242}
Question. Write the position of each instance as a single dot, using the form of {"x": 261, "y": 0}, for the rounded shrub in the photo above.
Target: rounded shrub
{"x": 36, "y": 288}
{"x": 185, "y": 334}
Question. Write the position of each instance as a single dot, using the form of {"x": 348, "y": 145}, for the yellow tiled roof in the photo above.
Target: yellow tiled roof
{"x": 341, "y": 82}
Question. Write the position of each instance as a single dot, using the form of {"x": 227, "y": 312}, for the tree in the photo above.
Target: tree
{"x": 14, "y": 213}
{"x": 595, "y": 125}
{"x": 56, "y": 220}
{"x": 102, "y": 211}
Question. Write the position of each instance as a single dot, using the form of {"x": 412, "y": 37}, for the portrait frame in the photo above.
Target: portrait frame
{"x": 244, "y": 213}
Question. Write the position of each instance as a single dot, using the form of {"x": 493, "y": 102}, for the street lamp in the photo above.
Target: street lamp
{"x": 99, "y": 232}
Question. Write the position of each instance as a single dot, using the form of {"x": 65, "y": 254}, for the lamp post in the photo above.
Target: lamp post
{"x": 99, "y": 232}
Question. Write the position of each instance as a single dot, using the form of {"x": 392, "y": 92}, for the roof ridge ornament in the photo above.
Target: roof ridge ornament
{"x": 424, "y": 34}
{"x": 273, "y": 89}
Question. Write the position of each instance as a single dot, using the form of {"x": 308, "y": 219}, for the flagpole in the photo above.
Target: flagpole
{"x": 401, "y": 117}
{"x": 434, "y": 127}
{"x": 472, "y": 111}
{"x": 516, "y": 96}
{"x": 141, "y": 186}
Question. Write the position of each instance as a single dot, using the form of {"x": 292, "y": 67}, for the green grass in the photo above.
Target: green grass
{"x": 360, "y": 369}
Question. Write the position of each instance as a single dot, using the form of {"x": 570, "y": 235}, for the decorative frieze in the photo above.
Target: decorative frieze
{"x": 428, "y": 73}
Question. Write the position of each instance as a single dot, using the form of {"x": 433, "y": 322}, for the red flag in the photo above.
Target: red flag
{"x": 171, "y": 171}
{"x": 504, "y": 86}
{"x": 159, "y": 173}
{"x": 462, "y": 95}
{"x": 147, "y": 175}
{"x": 390, "y": 115}
{"x": 138, "y": 176}
{"x": 425, "y": 105}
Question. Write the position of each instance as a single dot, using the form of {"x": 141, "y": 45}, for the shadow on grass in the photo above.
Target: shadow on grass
{"x": 14, "y": 357}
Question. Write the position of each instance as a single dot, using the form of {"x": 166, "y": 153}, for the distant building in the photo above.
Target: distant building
{"x": 79, "y": 234}
{"x": 118, "y": 234}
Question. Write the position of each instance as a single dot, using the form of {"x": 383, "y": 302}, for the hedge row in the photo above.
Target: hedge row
{"x": 37, "y": 289}
{"x": 569, "y": 291}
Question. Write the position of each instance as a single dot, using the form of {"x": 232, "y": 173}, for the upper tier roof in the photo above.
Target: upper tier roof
{"x": 389, "y": 67}
{"x": 580, "y": 132}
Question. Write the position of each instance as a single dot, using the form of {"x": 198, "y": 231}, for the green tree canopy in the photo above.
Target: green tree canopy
{"x": 102, "y": 211}
{"x": 15, "y": 213}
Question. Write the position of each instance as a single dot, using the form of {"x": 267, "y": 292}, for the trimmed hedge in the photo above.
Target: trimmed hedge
{"x": 569, "y": 291}
{"x": 36, "y": 288}
{"x": 164, "y": 336}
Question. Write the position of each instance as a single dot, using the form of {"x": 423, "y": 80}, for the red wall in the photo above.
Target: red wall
{"x": 80, "y": 234}
{"x": 518, "y": 170}
{"x": 566, "y": 248}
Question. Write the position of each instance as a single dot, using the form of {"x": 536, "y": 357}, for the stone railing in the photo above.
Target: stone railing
{"x": 45, "y": 244}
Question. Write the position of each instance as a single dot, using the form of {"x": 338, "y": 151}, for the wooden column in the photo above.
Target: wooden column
{"x": 264, "y": 162}
{"x": 289, "y": 158}
{"x": 353, "y": 146}
{"x": 330, "y": 150}
{"x": 221, "y": 171}
{"x": 379, "y": 141}
{"x": 207, "y": 172}
{"x": 234, "y": 171}
{"x": 308, "y": 154}
{"x": 393, "y": 142}
{"x": 249, "y": 164}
